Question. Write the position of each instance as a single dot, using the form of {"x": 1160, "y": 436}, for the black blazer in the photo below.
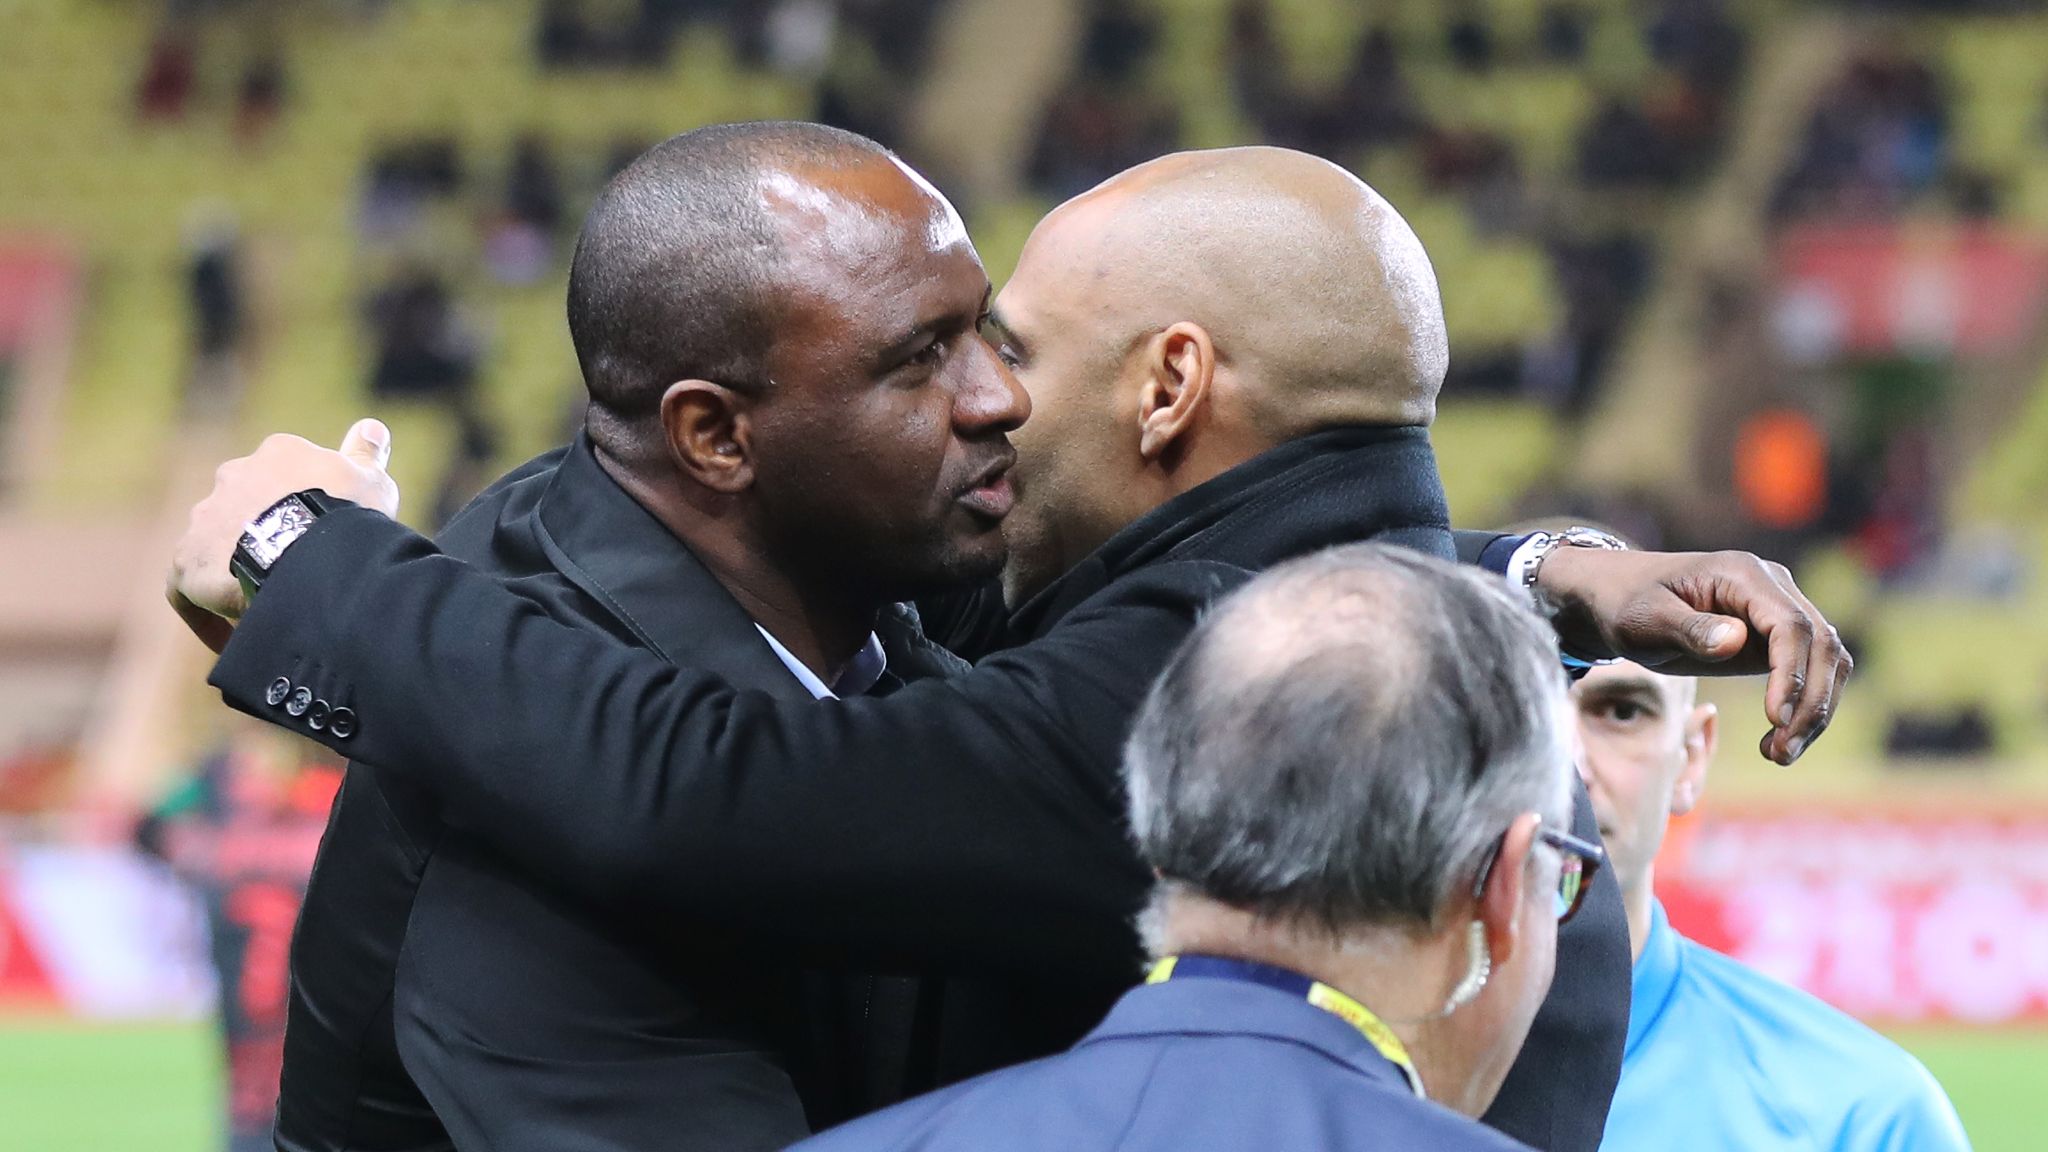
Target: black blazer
{"x": 427, "y": 971}
{"x": 973, "y": 824}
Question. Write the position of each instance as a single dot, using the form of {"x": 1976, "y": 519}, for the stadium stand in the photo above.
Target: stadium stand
{"x": 1574, "y": 169}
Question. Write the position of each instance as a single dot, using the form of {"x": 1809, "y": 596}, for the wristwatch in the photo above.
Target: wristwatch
{"x": 1526, "y": 566}
{"x": 277, "y": 528}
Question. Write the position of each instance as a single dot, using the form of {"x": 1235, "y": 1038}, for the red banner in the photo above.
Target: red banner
{"x": 1894, "y": 916}
{"x": 1878, "y": 289}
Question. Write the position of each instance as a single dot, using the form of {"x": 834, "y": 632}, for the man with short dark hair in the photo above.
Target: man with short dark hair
{"x": 753, "y": 307}
{"x": 1352, "y": 785}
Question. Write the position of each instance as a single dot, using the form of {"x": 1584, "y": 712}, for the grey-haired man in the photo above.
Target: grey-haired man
{"x": 1352, "y": 783}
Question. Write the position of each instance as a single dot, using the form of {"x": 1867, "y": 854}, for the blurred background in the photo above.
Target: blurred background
{"x": 1766, "y": 274}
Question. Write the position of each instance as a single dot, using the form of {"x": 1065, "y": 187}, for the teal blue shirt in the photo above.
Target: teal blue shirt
{"x": 1722, "y": 1057}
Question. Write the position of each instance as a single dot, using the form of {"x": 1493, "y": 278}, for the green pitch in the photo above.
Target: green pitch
{"x": 67, "y": 1087}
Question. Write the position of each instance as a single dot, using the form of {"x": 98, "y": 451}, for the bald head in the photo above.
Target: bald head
{"x": 1317, "y": 293}
{"x": 683, "y": 258}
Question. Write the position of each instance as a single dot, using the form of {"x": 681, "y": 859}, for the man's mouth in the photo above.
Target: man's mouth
{"x": 992, "y": 494}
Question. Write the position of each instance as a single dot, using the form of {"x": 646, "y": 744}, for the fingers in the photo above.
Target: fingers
{"x": 211, "y": 630}
{"x": 368, "y": 442}
{"x": 1789, "y": 633}
{"x": 1827, "y": 671}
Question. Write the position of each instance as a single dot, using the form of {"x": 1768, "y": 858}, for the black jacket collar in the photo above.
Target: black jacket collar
{"x": 1337, "y": 486}
{"x": 605, "y": 543}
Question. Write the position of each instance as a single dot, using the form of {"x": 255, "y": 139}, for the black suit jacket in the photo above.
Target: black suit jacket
{"x": 974, "y": 824}
{"x": 426, "y": 970}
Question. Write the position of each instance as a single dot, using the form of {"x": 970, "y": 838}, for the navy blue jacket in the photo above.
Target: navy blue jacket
{"x": 1195, "y": 1065}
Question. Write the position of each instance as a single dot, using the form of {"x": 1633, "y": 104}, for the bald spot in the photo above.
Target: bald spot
{"x": 1274, "y": 629}
{"x": 1316, "y": 292}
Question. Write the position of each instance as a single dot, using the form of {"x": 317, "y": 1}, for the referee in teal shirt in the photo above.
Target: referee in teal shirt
{"x": 1720, "y": 1056}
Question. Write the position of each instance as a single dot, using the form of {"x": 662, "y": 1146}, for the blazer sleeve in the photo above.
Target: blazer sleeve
{"x": 961, "y": 822}
{"x": 1489, "y": 550}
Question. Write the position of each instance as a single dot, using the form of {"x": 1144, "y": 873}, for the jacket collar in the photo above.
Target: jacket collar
{"x": 1234, "y": 1008}
{"x": 1336, "y": 486}
{"x": 616, "y": 552}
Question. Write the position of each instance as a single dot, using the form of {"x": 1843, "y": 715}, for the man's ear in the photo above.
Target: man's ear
{"x": 1702, "y": 736}
{"x": 1180, "y": 367}
{"x": 708, "y": 434}
{"x": 1500, "y": 903}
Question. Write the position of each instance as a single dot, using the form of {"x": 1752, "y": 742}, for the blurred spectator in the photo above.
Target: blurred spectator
{"x": 520, "y": 245}
{"x": 1602, "y": 280}
{"x": 403, "y": 175}
{"x": 1877, "y": 140}
{"x": 473, "y": 466}
{"x": 1561, "y": 33}
{"x": 1371, "y": 104}
{"x": 533, "y": 189}
{"x": 1622, "y": 146}
{"x": 425, "y": 348}
{"x": 1697, "y": 40}
{"x": 1468, "y": 38}
{"x": 1118, "y": 41}
{"x": 217, "y": 300}
{"x": 1093, "y": 131}
{"x": 898, "y": 32}
{"x": 1962, "y": 731}
{"x": 242, "y": 832}
{"x": 168, "y": 75}
{"x": 259, "y": 96}
{"x": 600, "y": 34}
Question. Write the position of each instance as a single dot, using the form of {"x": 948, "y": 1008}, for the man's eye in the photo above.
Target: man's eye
{"x": 1624, "y": 712}
{"x": 929, "y": 355}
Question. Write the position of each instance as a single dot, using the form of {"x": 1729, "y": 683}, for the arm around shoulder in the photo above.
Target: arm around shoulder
{"x": 969, "y": 821}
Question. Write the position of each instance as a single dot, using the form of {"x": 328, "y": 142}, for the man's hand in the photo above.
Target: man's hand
{"x": 1706, "y": 614}
{"x": 202, "y": 588}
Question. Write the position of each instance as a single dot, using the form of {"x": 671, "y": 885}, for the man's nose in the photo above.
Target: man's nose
{"x": 991, "y": 399}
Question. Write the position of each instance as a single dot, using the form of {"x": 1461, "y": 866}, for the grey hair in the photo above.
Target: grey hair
{"x": 1341, "y": 742}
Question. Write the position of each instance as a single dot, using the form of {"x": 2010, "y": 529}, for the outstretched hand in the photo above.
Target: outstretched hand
{"x": 201, "y": 587}
{"x": 1706, "y": 614}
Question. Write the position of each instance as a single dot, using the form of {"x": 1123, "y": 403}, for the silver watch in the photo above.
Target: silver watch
{"x": 1542, "y": 544}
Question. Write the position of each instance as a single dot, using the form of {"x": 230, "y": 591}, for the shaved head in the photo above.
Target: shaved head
{"x": 1313, "y": 287}
{"x": 1192, "y": 313}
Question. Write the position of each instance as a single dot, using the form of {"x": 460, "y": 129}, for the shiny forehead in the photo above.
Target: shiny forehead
{"x": 863, "y": 211}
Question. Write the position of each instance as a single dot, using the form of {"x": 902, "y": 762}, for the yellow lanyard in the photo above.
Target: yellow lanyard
{"x": 1316, "y": 992}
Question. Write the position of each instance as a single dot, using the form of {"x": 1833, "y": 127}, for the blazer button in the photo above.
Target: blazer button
{"x": 317, "y": 716}
{"x": 279, "y": 689}
{"x": 300, "y": 701}
{"x": 342, "y": 723}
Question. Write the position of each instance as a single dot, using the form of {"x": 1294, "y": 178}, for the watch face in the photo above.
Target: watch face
{"x": 275, "y": 530}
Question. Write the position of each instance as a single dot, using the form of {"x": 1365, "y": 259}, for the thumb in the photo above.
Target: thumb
{"x": 368, "y": 442}
{"x": 1712, "y": 637}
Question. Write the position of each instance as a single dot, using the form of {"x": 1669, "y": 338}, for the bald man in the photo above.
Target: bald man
{"x": 972, "y": 826}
